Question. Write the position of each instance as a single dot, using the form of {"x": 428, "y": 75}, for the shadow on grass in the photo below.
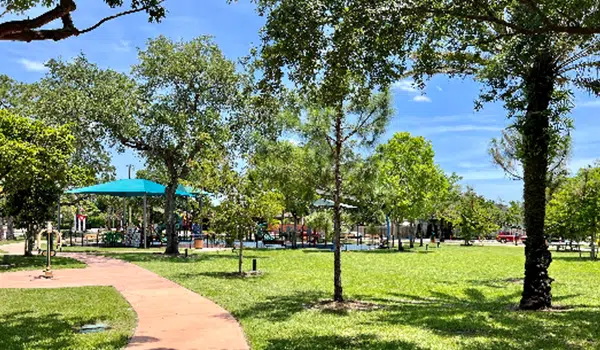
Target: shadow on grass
{"x": 361, "y": 341}
{"x": 228, "y": 275}
{"x": 159, "y": 257}
{"x": 17, "y": 262}
{"x": 279, "y": 308}
{"x": 22, "y": 330}
{"x": 492, "y": 323}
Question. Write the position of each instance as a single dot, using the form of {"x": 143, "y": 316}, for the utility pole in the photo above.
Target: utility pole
{"x": 129, "y": 167}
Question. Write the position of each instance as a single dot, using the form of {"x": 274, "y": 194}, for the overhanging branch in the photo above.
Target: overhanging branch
{"x": 28, "y": 30}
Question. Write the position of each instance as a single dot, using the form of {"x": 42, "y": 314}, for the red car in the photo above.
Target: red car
{"x": 504, "y": 237}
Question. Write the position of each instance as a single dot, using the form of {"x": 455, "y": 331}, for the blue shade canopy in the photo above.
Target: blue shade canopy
{"x": 329, "y": 204}
{"x": 127, "y": 188}
{"x": 189, "y": 191}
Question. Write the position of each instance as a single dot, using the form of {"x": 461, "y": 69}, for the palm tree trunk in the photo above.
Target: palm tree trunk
{"x": 170, "y": 231}
{"x": 539, "y": 85}
{"x": 337, "y": 263}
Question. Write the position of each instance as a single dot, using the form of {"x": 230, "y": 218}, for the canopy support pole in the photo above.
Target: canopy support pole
{"x": 145, "y": 224}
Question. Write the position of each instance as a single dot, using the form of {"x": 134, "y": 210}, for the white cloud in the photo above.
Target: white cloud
{"x": 591, "y": 103}
{"x": 421, "y": 98}
{"x": 471, "y": 165}
{"x": 33, "y": 66}
{"x": 123, "y": 46}
{"x": 439, "y": 88}
{"x": 405, "y": 85}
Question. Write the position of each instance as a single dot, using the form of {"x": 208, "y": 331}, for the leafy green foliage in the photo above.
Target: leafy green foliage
{"x": 244, "y": 202}
{"x": 411, "y": 183}
{"x": 573, "y": 211}
{"x": 288, "y": 169}
{"x": 79, "y": 110}
{"x": 34, "y": 169}
{"x": 184, "y": 105}
{"x": 476, "y": 216}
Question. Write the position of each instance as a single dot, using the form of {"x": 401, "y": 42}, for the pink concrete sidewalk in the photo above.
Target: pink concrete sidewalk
{"x": 169, "y": 316}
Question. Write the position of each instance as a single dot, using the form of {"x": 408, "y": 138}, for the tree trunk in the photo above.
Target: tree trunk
{"x": 241, "y": 256}
{"x": 535, "y": 132}
{"x": 170, "y": 231}
{"x": 29, "y": 240}
{"x": 337, "y": 218}
{"x": 295, "y": 232}
{"x": 10, "y": 228}
{"x": 1, "y": 228}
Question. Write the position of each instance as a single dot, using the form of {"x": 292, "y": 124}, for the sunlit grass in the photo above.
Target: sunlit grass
{"x": 50, "y": 318}
{"x": 10, "y": 263}
{"x": 451, "y": 298}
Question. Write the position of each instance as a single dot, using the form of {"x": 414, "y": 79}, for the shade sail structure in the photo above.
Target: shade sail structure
{"x": 327, "y": 203}
{"x": 128, "y": 188}
{"x": 188, "y": 191}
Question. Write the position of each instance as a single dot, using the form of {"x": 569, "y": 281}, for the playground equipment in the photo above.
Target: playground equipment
{"x": 38, "y": 245}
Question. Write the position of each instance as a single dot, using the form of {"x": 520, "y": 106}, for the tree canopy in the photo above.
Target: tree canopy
{"x": 34, "y": 169}
{"x": 411, "y": 181}
{"x": 573, "y": 211}
{"x": 185, "y": 102}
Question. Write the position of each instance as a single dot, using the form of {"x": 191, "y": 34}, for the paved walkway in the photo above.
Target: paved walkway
{"x": 169, "y": 316}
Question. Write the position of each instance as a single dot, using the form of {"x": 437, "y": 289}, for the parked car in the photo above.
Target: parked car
{"x": 504, "y": 237}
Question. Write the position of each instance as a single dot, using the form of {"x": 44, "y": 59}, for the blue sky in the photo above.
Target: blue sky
{"x": 444, "y": 114}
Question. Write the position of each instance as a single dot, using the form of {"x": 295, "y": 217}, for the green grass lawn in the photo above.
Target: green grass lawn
{"x": 50, "y": 318}
{"x": 10, "y": 263}
{"x": 451, "y": 298}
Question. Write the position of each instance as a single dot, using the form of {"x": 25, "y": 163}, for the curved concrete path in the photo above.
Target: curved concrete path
{"x": 169, "y": 316}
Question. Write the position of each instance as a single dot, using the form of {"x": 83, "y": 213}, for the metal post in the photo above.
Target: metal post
{"x": 58, "y": 218}
{"x": 387, "y": 222}
{"x": 253, "y": 264}
{"x": 201, "y": 219}
{"x": 48, "y": 270}
{"x": 145, "y": 224}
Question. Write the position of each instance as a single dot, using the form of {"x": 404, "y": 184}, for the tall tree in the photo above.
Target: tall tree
{"x": 525, "y": 53}
{"x": 316, "y": 45}
{"x": 180, "y": 106}
{"x": 342, "y": 127}
{"x": 412, "y": 183}
{"x": 34, "y": 168}
{"x": 31, "y": 29}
